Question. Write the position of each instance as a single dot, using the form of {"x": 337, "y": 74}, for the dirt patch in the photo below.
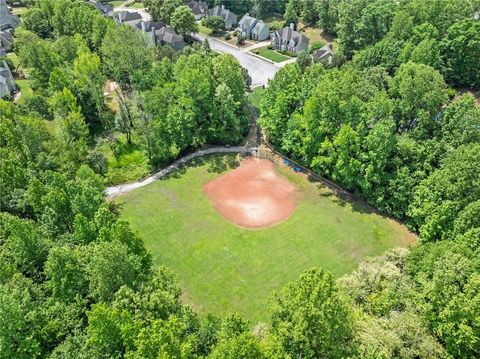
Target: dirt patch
{"x": 254, "y": 195}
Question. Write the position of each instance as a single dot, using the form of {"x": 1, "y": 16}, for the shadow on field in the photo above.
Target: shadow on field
{"x": 215, "y": 164}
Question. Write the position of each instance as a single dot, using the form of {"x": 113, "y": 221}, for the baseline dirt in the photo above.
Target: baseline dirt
{"x": 254, "y": 195}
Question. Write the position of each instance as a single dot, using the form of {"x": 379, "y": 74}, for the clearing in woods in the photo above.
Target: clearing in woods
{"x": 226, "y": 268}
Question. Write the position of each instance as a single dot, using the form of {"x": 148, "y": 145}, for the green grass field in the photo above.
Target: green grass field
{"x": 223, "y": 268}
{"x": 270, "y": 54}
{"x": 255, "y": 97}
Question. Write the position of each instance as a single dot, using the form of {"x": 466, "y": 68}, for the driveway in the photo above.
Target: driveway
{"x": 259, "y": 70}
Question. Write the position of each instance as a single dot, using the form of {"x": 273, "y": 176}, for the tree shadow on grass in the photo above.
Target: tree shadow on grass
{"x": 216, "y": 163}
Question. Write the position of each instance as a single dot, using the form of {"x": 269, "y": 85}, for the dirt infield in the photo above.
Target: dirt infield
{"x": 253, "y": 195}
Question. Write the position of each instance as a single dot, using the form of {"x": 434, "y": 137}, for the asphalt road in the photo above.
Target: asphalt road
{"x": 260, "y": 70}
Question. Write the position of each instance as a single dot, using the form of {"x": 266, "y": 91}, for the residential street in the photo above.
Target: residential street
{"x": 260, "y": 70}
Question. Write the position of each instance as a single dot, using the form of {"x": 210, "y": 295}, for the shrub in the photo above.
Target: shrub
{"x": 235, "y": 33}
{"x": 270, "y": 47}
{"x": 227, "y": 36}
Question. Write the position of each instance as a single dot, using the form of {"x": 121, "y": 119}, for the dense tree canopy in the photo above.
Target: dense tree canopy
{"x": 77, "y": 282}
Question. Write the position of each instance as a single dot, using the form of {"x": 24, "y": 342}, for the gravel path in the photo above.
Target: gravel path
{"x": 115, "y": 191}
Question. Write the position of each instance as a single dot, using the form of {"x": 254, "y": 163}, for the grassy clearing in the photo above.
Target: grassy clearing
{"x": 255, "y": 97}
{"x": 270, "y": 54}
{"x": 223, "y": 268}
{"x": 130, "y": 165}
{"x": 274, "y": 21}
{"x": 19, "y": 10}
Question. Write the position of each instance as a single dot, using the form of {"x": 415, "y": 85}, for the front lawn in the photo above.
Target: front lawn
{"x": 270, "y": 54}
{"x": 204, "y": 30}
{"x": 223, "y": 268}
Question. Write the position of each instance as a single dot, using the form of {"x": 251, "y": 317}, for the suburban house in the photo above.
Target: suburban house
{"x": 130, "y": 18}
{"x": 229, "y": 17}
{"x": 105, "y": 9}
{"x": 246, "y": 24}
{"x": 7, "y": 83}
{"x": 6, "y": 41}
{"x": 324, "y": 54}
{"x": 290, "y": 40}
{"x": 157, "y": 32}
{"x": 199, "y": 9}
{"x": 7, "y": 20}
{"x": 253, "y": 29}
{"x": 8, "y": 23}
{"x": 260, "y": 31}
{"x": 168, "y": 36}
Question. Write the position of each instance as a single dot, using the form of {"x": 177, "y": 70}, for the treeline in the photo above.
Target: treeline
{"x": 444, "y": 34}
{"x": 387, "y": 127}
{"x": 166, "y": 102}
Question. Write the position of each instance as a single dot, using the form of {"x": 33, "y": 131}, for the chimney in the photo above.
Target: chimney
{"x": 292, "y": 26}
{"x": 143, "y": 26}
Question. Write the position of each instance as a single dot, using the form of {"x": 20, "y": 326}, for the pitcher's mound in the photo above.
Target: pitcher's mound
{"x": 253, "y": 195}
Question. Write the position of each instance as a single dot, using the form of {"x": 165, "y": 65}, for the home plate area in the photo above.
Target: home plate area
{"x": 254, "y": 195}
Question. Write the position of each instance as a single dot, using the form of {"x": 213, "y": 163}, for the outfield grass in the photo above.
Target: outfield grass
{"x": 223, "y": 268}
{"x": 270, "y": 54}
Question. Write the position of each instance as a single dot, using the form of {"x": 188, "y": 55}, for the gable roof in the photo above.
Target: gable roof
{"x": 168, "y": 35}
{"x": 259, "y": 26}
{"x": 131, "y": 18}
{"x": 323, "y": 52}
{"x": 224, "y": 13}
{"x": 149, "y": 25}
{"x": 7, "y": 20}
{"x": 287, "y": 34}
{"x": 198, "y": 7}
{"x": 7, "y": 84}
{"x": 103, "y": 8}
{"x": 247, "y": 21}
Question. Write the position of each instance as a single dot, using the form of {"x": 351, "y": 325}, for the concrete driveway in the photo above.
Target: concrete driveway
{"x": 260, "y": 70}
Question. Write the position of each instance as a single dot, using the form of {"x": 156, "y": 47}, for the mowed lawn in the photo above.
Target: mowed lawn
{"x": 223, "y": 268}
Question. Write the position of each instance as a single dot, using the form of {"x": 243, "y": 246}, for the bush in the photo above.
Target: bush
{"x": 235, "y": 33}
{"x": 270, "y": 47}
{"x": 227, "y": 36}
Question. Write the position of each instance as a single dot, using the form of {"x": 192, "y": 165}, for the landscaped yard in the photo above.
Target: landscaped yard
{"x": 204, "y": 30}
{"x": 223, "y": 268}
{"x": 316, "y": 35}
{"x": 270, "y": 54}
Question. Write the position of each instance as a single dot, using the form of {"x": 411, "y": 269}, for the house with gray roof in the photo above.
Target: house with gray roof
{"x": 168, "y": 36}
{"x": 7, "y": 20}
{"x": 6, "y": 41}
{"x": 290, "y": 40}
{"x": 130, "y": 18}
{"x": 260, "y": 31}
{"x": 199, "y": 9}
{"x": 7, "y": 84}
{"x": 229, "y": 17}
{"x": 253, "y": 29}
{"x": 324, "y": 54}
{"x": 246, "y": 24}
{"x": 105, "y": 9}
